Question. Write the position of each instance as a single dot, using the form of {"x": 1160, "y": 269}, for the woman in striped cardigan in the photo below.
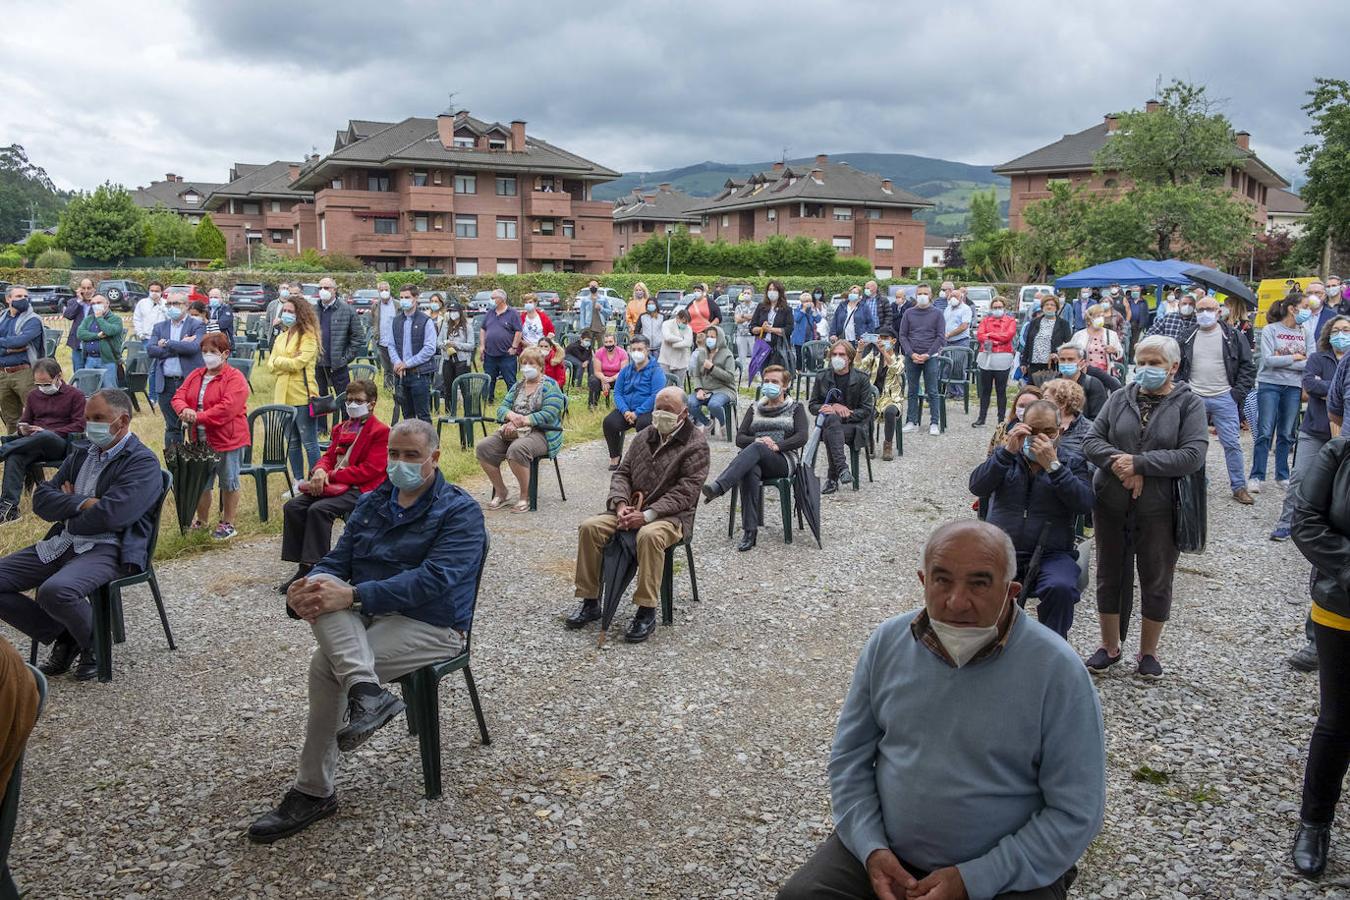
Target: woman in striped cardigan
{"x": 535, "y": 401}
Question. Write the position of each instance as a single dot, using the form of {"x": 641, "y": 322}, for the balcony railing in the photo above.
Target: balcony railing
{"x": 544, "y": 204}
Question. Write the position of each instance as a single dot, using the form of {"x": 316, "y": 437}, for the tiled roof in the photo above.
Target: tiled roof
{"x": 414, "y": 141}
{"x": 838, "y": 183}
{"x": 1282, "y": 201}
{"x": 170, "y": 194}
{"x": 660, "y": 206}
{"x": 356, "y": 130}
{"x": 270, "y": 180}
{"x": 1078, "y": 152}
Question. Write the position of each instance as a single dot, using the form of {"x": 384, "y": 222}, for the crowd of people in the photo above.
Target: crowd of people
{"x": 1110, "y": 426}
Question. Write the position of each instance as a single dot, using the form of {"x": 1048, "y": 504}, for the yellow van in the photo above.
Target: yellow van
{"x": 1272, "y": 289}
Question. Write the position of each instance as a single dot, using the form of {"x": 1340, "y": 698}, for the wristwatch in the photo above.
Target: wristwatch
{"x": 1055, "y": 466}
{"x": 356, "y": 599}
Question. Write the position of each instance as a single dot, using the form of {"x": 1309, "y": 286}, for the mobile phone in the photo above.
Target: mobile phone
{"x": 869, "y": 338}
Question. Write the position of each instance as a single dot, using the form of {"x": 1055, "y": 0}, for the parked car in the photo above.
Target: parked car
{"x": 363, "y": 299}
{"x": 548, "y": 301}
{"x": 310, "y": 291}
{"x": 192, "y": 291}
{"x": 1027, "y": 293}
{"x": 49, "y": 299}
{"x": 901, "y": 290}
{"x": 251, "y": 296}
{"x": 121, "y": 293}
{"x": 979, "y": 296}
{"x": 481, "y": 302}
{"x": 666, "y": 301}
{"x": 610, "y": 294}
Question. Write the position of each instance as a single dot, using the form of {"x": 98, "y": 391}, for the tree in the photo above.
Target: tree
{"x": 1057, "y": 230}
{"x": 38, "y": 243}
{"x": 1176, "y": 158}
{"x": 25, "y": 193}
{"x": 53, "y": 259}
{"x": 210, "y": 239}
{"x": 983, "y": 221}
{"x": 1269, "y": 255}
{"x": 168, "y": 234}
{"x": 103, "y": 226}
{"x": 777, "y": 254}
{"x": 1327, "y": 158}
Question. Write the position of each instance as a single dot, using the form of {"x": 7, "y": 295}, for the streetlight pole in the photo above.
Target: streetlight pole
{"x": 667, "y": 249}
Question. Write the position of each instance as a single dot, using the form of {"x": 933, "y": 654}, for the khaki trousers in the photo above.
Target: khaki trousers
{"x": 14, "y": 388}
{"x": 652, "y": 541}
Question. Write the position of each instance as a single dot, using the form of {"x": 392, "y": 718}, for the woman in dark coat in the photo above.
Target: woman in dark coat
{"x": 1147, "y": 435}
{"x": 1044, "y": 336}
{"x": 771, "y": 433}
{"x": 772, "y": 321}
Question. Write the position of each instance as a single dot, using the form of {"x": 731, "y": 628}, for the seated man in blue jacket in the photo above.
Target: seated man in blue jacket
{"x": 1035, "y": 493}
{"x": 101, "y": 502}
{"x": 634, "y": 395}
{"x": 396, "y": 593}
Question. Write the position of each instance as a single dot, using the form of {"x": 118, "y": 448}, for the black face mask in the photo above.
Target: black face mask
{"x": 20, "y": 305}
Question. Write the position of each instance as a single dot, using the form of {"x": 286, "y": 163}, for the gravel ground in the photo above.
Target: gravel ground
{"x": 692, "y": 766}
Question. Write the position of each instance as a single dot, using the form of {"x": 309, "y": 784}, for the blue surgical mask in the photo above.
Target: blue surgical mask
{"x": 770, "y": 389}
{"x": 214, "y": 302}
{"x": 1026, "y": 449}
{"x": 1341, "y": 341}
{"x": 1068, "y": 370}
{"x": 1302, "y": 316}
{"x": 852, "y": 298}
{"x": 288, "y": 319}
{"x": 1150, "y": 378}
{"x": 1206, "y": 318}
{"x": 174, "y": 312}
{"x": 100, "y": 433}
{"x": 405, "y": 476}
{"x": 405, "y": 303}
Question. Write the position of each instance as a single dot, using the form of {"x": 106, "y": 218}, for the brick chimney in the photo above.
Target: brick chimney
{"x": 821, "y": 159}
{"x": 518, "y": 135}
{"x": 886, "y": 185}
{"x": 664, "y": 187}
{"x": 1112, "y": 123}
{"x": 445, "y": 129}
{"x": 1244, "y": 139}
{"x": 1151, "y": 106}
{"x": 170, "y": 178}
{"x": 294, "y": 171}
{"x": 817, "y": 172}
{"x": 778, "y": 166}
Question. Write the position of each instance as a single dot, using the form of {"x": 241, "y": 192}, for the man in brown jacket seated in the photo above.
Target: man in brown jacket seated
{"x": 665, "y": 465}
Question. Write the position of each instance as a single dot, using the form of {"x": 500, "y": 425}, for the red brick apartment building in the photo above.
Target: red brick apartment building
{"x": 860, "y": 213}
{"x": 259, "y": 205}
{"x": 1071, "y": 159}
{"x": 458, "y": 195}
{"x": 187, "y": 198}
{"x": 640, "y": 215}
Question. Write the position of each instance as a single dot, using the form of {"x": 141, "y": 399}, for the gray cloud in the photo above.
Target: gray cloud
{"x": 638, "y": 85}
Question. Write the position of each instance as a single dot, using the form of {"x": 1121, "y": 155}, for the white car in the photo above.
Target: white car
{"x": 979, "y": 296}
{"x": 1028, "y": 293}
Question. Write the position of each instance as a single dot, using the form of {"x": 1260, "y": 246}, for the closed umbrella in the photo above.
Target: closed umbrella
{"x": 191, "y": 465}
{"x": 1221, "y": 282}
{"x": 806, "y": 498}
{"x": 618, "y": 567}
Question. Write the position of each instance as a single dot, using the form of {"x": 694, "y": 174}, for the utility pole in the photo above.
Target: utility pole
{"x": 32, "y": 217}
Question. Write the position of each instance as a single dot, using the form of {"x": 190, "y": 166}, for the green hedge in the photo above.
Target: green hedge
{"x": 565, "y": 283}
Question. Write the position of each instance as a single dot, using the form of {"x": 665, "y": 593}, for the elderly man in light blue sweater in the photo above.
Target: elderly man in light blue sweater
{"x": 969, "y": 760}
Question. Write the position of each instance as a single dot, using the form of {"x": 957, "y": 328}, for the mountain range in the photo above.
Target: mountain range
{"x": 948, "y": 184}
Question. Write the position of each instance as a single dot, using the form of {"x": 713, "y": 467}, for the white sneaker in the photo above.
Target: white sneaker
{"x": 1253, "y": 486}
{"x": 934, "y": 429}
{"x": 1282, "y": 482}
{"x": 909, "y": 426}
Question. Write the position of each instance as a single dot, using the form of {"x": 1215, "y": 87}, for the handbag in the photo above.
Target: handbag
{"x": 337, "y": 490}
{"x": 319, "y": 405}
{"x": 1190, "y": 523}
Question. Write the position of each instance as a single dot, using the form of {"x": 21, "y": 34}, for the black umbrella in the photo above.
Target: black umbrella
{"x": 191, "y": 465}
{"x": 813, "y": 442}
{"x": 1127, "y": 572}
{"x": 1221, "y": 282}
{"x": 806, "y": 497}
{"x": 616, "y": 573}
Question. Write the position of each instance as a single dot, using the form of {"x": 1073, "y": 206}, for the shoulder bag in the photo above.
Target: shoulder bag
{"x": 1190, "y": 522}
{"x": 319, "y": 405}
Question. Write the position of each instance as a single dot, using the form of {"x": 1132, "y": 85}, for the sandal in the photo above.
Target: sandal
{"x": 521, "y": 506}
{"x": 496, "y": 502}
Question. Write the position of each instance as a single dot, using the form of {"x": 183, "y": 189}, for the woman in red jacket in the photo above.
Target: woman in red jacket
{"x": 553, "y": 361}
{"x": 210, "y": 403}
{"x": 994, "y": 349}
{"x": 352, "y": 465}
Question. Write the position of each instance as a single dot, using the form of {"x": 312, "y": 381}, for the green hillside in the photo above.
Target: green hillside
{"x": 948, "y": 184}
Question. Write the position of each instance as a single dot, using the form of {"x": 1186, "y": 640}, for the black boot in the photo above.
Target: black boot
{"x": 301, "y": 571}
{"x": 747, "y": 541}
{"x": 711, "y": 491}
{"x": 830, "y": 486}
{"x": 369, "y": 708}
{"x": 1311, "y": 843}
{"x": 59, "y": 658}
{"x": 296, "y": 813}
{"x": 87, "y": 668}
{"x": 845, "y": 475}
{"x": 588, "y": 612}
{"x": 642, "y": 626}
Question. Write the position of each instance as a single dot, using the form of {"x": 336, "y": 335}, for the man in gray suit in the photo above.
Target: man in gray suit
{"x": 342, "y": 338}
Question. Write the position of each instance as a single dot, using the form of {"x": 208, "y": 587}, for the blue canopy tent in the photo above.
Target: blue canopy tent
{"x": 1152, "y": 272}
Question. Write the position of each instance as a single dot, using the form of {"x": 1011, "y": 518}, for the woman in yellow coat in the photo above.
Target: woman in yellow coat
{"x": 294, "y": 353}
{"x": 890, "y": 382}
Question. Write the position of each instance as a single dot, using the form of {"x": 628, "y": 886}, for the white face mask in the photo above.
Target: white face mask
{"x": 325, "y": 294}
{"x": 212, "y": 360}
{"x": 384, "y": 295}
{"x": 638, "y": 358}
{"x": 1098, "y": 322}
{"x": 358, "y": 410}
{"x": 962, "y": 643}
{"x": 50, "y": 389}
{"x": 923, "y": 300}
{"x": 529, "y": 373}
{"x": 772, "y": 295}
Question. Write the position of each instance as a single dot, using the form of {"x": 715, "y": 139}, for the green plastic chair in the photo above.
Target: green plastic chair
{"x": 243, "y": 350}
{"x": 863, "y": 443}
{"x": 362, "y": 371}
{"x": 9, "y": 806}
{"x": 88, "y": 380}
{"x": 421, "y": 693}
{"x": 467, "y": 389}
{"x": 276, "y": 444}
{"x": 668, "y": 579}
{"x": 784, "y": 487}
{"x": 814, "y": 365}
{"x": 962, "y": 371}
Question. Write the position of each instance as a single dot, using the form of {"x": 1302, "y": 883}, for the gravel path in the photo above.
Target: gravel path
{"x": 693, "y": 766}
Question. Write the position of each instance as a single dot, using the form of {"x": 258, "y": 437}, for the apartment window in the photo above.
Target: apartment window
{"x": 842, "y": 243}
{"x": 875, "y": 214}
{"x": 508, "y": 267}
{"x": 336, "y": 184}
{"x": 466, "y": 267}
{"x": 548, "y": 227}
{"x": 885, "y": 243}
{"x": 421, "y": 223}
{"x": 277, "y": 236}
{"x": 436, "y": 177}
{"x": 695, "y": 229}
{"x": 811, "y": 211}
{"x": 419, "y": 179}
{"x": 547, "y": 267}
{"x": 883, "y": 273}
{"x": 466, "y": 184}
{"x": 726, "y": 221}
{"x": 843, "y": 214}
{"x": 704, "y": 221}
{"x": 386, "y": 226}
{"x": 546, "y": 184}
{"x": 506, "y": 185}
{"x": 194, "y": 219}
{"x": 464, "y": 142}
{"x": 252, "y": 209}
{"x": 275, "y": 206}
{"x": 569, "y": 229}
{"x": 191, "y": 198}
{"x": 771, "y": 214}
{"x": 1050, "y": 181}
{"x": 377, "y": 182}
{"x": 323, "y": 233}
{"x": 466, "y": 226}
{"x": 496, "y": 144}
{"x": 506, "y": 229}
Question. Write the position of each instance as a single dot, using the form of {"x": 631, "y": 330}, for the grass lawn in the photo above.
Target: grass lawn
{"x": 456, "y": 464}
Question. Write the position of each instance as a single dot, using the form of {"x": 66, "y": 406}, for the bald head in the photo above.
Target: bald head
{"x": 672, "y": 399}
{"x": 967, "y": 575}
{"x": 975, "y": 538}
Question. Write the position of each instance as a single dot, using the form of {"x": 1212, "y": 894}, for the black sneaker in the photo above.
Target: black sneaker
{"x": 1100, "y": 661}
{"x": 367, "y": 714}
{"x": 831, "y": 486}
{"x": 61, "y": 656}
{"x": 87, "y": 668}
{"x": 1304, "y": 659}
{"x": 296, "y": 813}
{"x": 710, "y": 492}
{"x": 1149, "y": 668}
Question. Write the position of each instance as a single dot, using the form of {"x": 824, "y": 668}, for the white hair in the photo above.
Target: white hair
{"x": 995, "y": 534}
{"x": 421, "y": 429}
{"x": 1168, "y": 347}
{"x": 498, "y": 292}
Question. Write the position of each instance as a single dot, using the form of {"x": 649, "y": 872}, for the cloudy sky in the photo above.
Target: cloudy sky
{"x": 128, "y": 91}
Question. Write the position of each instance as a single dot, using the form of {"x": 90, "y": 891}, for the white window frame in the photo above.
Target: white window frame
{"x": 771, "y": 214}
{"x": 508, "y": 267}
{"x": 508, "y": 229}
{"x": 419, "y": 175}
{"x": 466, "y": 267}
{"x": 695, "y": 229}
{"x": 726, "y": 221}
{"x": 873, "y": 213}
{"x": 842, "y": 243}
{"x": 466, "y": 220}
{"x": 463, "y": 142}
{"x": 466, "y": 184}
{"x": 276, "y": 206}
{"x": 842, "y": 213}
{"x": 323, "y": 233}
{"x": 883, "y": 273}
{"x": 421, "y": 223}
{"x": 514, "y": 183}
{"x": 884, "y": 244}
